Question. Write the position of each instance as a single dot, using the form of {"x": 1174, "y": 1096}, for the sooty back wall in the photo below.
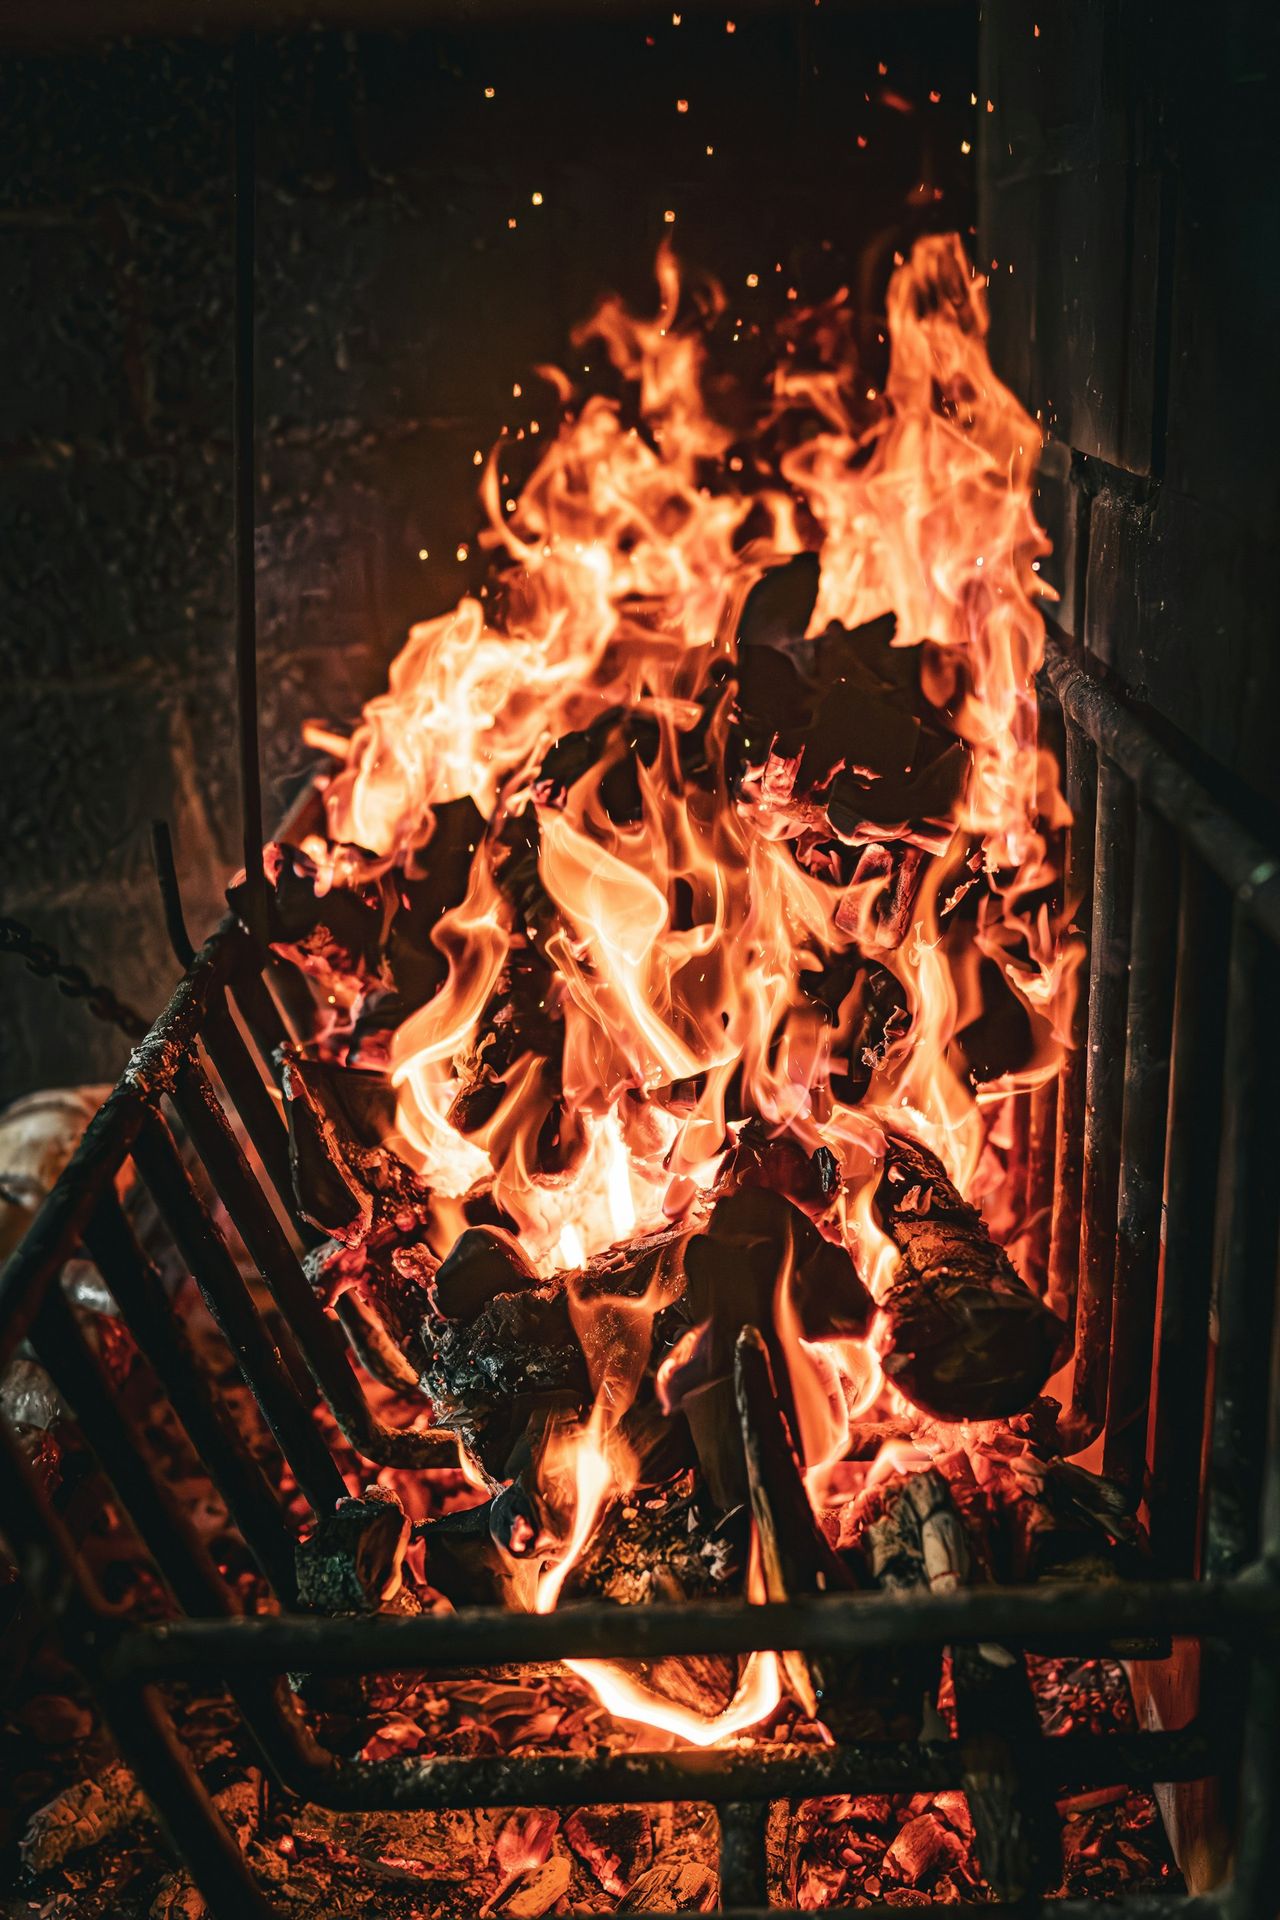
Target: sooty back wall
{"x": 397, "y": 306}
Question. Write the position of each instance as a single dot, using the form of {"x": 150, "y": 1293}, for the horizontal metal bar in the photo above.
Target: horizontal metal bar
{"x": 720, "y": 1775}
{"x": 1250, "y": 870}
{"x": 1142, "y": 1906}
{"x": 1070, "y": 1614}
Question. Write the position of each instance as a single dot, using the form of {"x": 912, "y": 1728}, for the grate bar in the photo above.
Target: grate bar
{"x": 228, "y": 1299}
{"x": 1104, "y": 1096}
{"x": 140, "y": 1295}
{"x": 1069, "y": 1615}
{"x": 319, "y": 1340}
{"x": 163, "y": 1528}
{"x": 1064, "y": 1244}
{"x": 1195, "y": 1120}
{"x": 1142, "y": 1150}
{"x": 1245, "y": 1259}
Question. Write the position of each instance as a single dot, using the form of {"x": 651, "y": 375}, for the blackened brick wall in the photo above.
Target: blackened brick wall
{"x": 397, "y": 307}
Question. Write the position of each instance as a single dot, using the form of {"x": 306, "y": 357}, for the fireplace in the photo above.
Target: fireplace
{"x": 548, "y": 1302}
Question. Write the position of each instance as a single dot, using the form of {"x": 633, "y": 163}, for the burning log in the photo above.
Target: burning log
{"x": 673, "y": 1886}
{"x": 81, "y": 1816}
{"x": 1015, "y": 1821}
{"x": 346, "y": 1180}
{"x": 795, "y": 1555}
{"x": 966, "y": 1338}
{"x": 483, "y": 1262}
{"x": 352, "y": 1562}
{"x": 487, "y": 1377}
{"x": 754, "y": 1238}
{"x": 616, "y": 1843}
{"x": 919, "y": 1540}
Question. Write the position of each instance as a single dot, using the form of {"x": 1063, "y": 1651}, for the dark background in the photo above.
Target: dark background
{"x": 1125, "y": 170}
{"x": 396, "y": 310}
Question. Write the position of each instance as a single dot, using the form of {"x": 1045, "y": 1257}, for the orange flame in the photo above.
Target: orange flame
{"x": 677, "y": 944}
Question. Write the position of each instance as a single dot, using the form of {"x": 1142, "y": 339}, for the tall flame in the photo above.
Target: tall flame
{"x": 676, "y": 942}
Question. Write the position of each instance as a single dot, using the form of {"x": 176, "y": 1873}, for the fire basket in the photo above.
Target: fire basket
{"x": 326, "y": 1199}
{"x": 1165, "y": 1109}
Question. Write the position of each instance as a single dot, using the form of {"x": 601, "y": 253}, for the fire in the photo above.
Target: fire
{"x": 674, "y": 896}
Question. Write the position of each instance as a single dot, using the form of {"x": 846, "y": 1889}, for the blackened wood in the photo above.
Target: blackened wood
{"x": 351, "y": 1561}
{"x": 965, "y": 1336}
{"x": 1015, "y": 1822}
{"x": 483, "y": 1262}
{"x": 795, "y": 1555}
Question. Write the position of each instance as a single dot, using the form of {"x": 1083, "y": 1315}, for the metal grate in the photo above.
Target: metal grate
{"x": 1157, "y": 1149}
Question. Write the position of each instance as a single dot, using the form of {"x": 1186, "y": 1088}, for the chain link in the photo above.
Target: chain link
{"x": 43, "y": 960}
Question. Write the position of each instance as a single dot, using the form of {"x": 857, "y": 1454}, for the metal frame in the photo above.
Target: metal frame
{"x": 1166, "y": 1112}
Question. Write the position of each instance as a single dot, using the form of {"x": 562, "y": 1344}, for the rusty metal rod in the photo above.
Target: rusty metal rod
{"x": 1071, "y": 1613}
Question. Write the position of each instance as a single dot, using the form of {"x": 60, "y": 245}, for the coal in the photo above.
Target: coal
{"x": 351, "y": 1563}
{"x": 441, "y": 871}
{"x": 483, "y": 1262}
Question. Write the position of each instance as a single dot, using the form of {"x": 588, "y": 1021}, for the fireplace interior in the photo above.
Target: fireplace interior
{"x": 677, "y": 1312}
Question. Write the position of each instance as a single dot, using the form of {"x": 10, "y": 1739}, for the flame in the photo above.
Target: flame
{"x": 675, "y": 932}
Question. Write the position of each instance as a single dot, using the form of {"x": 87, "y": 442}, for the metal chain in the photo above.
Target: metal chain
{"x": 43, "y": 960}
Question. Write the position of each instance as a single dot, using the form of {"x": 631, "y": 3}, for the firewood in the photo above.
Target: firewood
{"x": 881, "y": 921}
{"x": 534, "y": 1892}
{"x": 732, "y": 1270}
{"x": 79, "y": 1817}
{"x": 352, "y": 1562}
{"x": 616, "y": 1843}
{"x": 919, "y": 1540}
{"x": 483, "y": 1262}
{"x": 1015, "y": 1822}
{"x": 966, "y": 1338}
{"x": 673, "y": 1886}
{"x": 733, "y": 1267}
{"x": 346, "y": 1178}
{"x": 795, "y": 1555}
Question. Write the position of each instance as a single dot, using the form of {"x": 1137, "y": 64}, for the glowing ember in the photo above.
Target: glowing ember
{"x": 778, "y": 865}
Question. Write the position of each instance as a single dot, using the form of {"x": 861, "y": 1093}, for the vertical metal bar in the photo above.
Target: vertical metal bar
{"x": 162, "y": 1527}
{"x": 140, "y": 1295}
{"x": 261, "y": 1013}
{"x": 1064, "y": 1242}
{"x": 1104, "y": 1093}
{"x": 161, "y": 1764}
{"x": 1195, "y": 1125}
{"x": 743, "y": 1868}
{"x": 244, "y": 86}
{"x": 1142, "y": 1149}
{"x": 1257, "y": 1867}
{"x": 1038, "y": 1196}
{"x": 263, "y": 1121}
{"x": 227, "y": 1298}
{"x": 321, "y": 1344}
{"x": 1244, "y": 1255}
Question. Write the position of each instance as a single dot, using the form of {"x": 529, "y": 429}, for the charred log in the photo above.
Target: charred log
{"x": 796, "y": 1557}
{"x": 966, "y": 1337}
